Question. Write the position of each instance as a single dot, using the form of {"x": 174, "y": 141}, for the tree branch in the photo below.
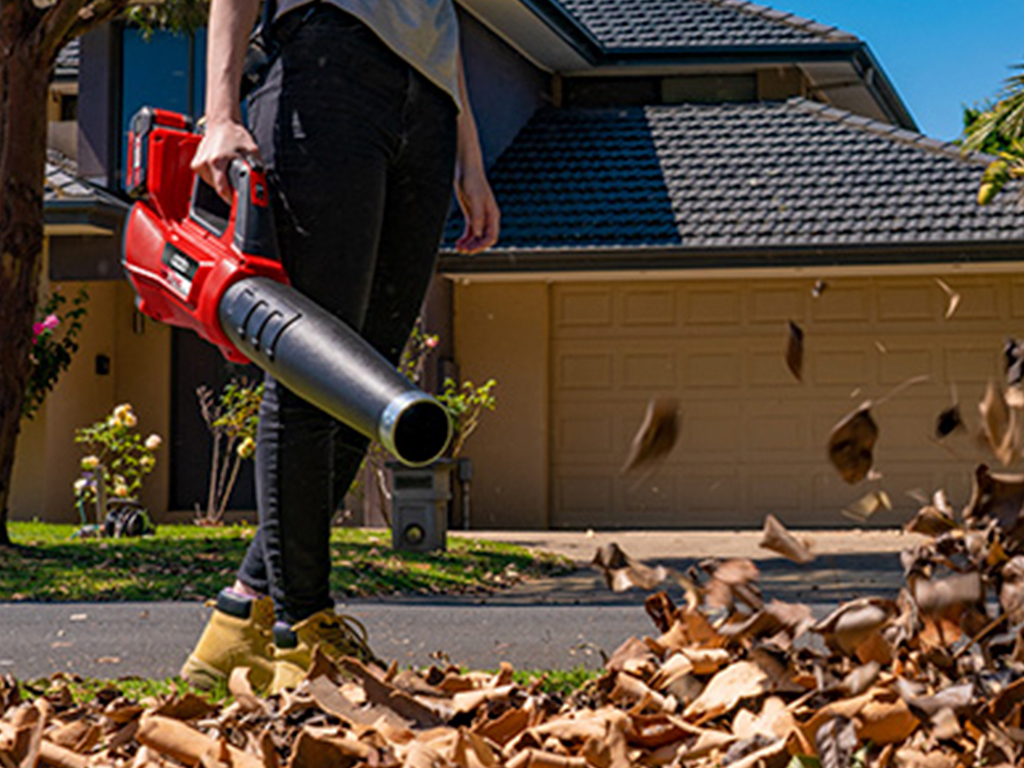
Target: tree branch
{"x": 96, "y": 13}
{"x": 57, "y": 21}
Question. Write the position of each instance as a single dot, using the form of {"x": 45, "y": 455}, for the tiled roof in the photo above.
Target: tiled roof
{"x": 67, "y": 62}
{"x": 736, "y": 176}
{"x": 618, "y": 24}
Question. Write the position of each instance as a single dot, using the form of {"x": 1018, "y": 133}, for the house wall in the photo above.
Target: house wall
{"x": 501, "y": 332}
{"x": 48, "y": 459}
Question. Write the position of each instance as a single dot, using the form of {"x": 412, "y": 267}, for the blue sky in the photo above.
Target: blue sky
{"x": 940, "y": 54}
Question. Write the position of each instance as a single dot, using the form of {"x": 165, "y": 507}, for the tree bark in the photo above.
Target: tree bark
{"x": 25, "y": 67}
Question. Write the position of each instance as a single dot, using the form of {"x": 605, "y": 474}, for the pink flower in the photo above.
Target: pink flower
{"x": 48, "y": 324}
{"x": 430, "y": 342}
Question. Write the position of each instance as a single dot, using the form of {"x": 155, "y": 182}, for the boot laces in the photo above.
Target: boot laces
{"x": 345, "y": 636}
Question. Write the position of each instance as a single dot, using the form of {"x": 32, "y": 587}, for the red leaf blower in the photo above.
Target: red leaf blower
{"x": 197, "y": 263}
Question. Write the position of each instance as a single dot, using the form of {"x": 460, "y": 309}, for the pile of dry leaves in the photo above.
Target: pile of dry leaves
{"x": 932, "y": 678}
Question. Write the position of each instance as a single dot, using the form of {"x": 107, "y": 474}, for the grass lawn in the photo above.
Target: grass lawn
{"x": 186, "y": 562}
{"x": 83, "y": 690}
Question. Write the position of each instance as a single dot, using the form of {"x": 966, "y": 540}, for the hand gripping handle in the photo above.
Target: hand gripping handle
{"x": 252, "y": 233}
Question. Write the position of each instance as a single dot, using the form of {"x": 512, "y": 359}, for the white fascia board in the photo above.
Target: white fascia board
{"x": 529, "y": 35}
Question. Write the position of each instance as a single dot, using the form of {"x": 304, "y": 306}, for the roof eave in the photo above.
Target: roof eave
{"x": 683, "y": 259}
{"x": 882, "y": 88}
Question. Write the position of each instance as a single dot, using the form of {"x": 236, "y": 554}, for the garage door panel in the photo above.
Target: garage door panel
{"x": 588, "y": 307}
{"x": 778, "y": 303}
{"x": 979, "y": 299}
{"x": 843, "y": 302}
{"x": 767, "y": 368}
{"x": 781, "y": 490}
{"x": 584, "y": 499}
{"x": 648, "y": 307}
{"x": 714, "y": 368}
{"x": 768, "y": 432}
{"x": 902, "y": 361}
{"x": 654, "y": 495}
{"x": 585, "y": 435}
{"x": 711, "y": 491}
{"x": 710, "y": 431}
{"x": 1017, "y": 298}
{"x": 585, "y": 370}
{"x": 903, "y": 301}
{"x": 649, "y": 369}
{"x": 974, "y": 361}
{"x": 709, "y": 306}
{"x": 842, "y": 365}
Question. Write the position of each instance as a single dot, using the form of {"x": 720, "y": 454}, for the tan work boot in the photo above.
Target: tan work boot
{"x": 337, "y": 636}
{"x": 239, "y": 634}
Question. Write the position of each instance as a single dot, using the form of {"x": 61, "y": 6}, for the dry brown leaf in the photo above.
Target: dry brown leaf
{"x": 953, "y": 298}
{"x": 738, "y": 681}
{"x": 949, "y": 421}
{"x": 621, "y": 572}
{"x": 774, "y": 719}
{"x": 777, "y": 538}
{"x": 795, "y": 350}
{"x": 836, "y": 740}
{"x": 851, "y": 444}
{"x": 996, "y": 496}
{"x": 1011, "y": 592}
{"x": 999, "y": 425}
{"x": 854, "y": 622}
{"x": 937, "y": 596}
{"x": 656, "y": 437}
{"x": 867, "y": 506}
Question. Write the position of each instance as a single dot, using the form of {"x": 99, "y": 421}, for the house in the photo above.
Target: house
{"x": 680, "y": 180}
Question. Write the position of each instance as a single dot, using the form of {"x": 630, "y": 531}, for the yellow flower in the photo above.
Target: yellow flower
{"x": 130, "y": 420}
{"x": 121, "y": 490}
{"x": 246, "y": 448}
{"x": 90, "y": 462}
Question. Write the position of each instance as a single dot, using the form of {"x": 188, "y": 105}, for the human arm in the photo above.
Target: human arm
{"x": 226, "y": 137}
{"x": 472, "y": 190}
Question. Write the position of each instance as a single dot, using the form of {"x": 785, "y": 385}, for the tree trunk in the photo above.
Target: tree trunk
{"x": 24, "y": 76}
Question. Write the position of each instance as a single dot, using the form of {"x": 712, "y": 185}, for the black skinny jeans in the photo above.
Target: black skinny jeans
{"x": 361, "y": 149}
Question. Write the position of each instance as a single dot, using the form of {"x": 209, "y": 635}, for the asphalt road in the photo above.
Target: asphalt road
{"x": 559, "y": 623}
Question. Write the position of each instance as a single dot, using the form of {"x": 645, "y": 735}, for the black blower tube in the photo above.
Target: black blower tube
{"x": 322, "y": 360}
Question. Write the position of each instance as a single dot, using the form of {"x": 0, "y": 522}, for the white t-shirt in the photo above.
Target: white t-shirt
{"x": 423, "y": 32}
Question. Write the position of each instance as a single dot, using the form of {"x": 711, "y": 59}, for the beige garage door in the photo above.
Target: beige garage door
{"x": 753, "y": 438}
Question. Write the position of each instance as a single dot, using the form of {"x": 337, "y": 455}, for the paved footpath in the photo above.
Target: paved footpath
{"x": 562, "y": 622}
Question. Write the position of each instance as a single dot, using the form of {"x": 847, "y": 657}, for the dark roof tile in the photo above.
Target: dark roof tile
{"x": 762, "y": 174}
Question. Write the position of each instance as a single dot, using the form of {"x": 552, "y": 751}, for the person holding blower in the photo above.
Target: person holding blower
{"x": 363, "y": 124}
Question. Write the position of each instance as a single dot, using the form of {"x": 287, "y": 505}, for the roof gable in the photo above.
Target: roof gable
{"x": 719, "y": 178}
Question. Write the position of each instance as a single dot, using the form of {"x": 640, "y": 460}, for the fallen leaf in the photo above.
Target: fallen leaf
{"x": 936, "y": 596}
{"x": 740, "y": 680}
{"x": 1011, "y": 593}
{"x": 777, "y": 538}
{"x": 851, "y": 443}
{"x": 656, "y": 437}
{"x": 836, "y": 740}
{"x": 795, "y": 350}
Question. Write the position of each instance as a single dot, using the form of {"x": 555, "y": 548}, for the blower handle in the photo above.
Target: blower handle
{"x": 249, "y": 222}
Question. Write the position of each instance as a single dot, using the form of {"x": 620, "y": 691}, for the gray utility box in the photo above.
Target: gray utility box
{"x": 419, "y": 506}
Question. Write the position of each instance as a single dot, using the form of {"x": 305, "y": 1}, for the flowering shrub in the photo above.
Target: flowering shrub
{"x": 466, "y": 402}
{"x": 232, "y": 420}
{"x": 118, "y": 460}
{"x": 54, "y": 341}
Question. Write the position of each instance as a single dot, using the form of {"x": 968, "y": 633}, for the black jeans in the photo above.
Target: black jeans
{"x": 361, "y": 150}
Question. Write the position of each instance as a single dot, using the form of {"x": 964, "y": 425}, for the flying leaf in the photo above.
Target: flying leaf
{"x": 778, "y": 539}
{"x": 657, "y": 435}
{"x": 820, "y": 286}
{"x": 952, "y": 296}
{"x": 949, "y": 421}
{"x": 621, "y": 572}
{"x": 851, "y": 443}
{"x": 866, "y": 506}
{"x": 795, "y": 350}
{"x": 1013, "y": 354}
{"x": 999, "y": 425}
